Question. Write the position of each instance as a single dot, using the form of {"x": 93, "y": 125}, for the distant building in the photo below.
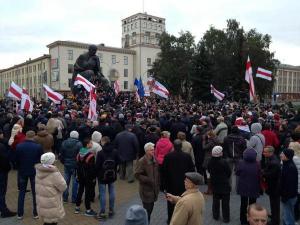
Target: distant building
{"x": 140, "y": 46}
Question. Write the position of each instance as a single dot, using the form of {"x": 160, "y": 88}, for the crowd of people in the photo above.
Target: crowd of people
{"x": 168, "y": 146}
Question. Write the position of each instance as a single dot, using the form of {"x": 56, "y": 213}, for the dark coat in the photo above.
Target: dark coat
{"x": 289, "y": 180}
{"x": 198, "y": 150}
{"x": 68, "y": 152}
{"x": 271, "y": 174}
{"x": 233, "y": 147}
{"x": 175, "y": 128}
{"x": 148, "y": 176}
{"x": 174, "y": 167}
{"x": 4, "y": 158}
{"x": 220, "y": 173}
{"x": 28, "y": 153}
{"x": 108, "y": 153}
{"x": 127, "y": 145}
{"x": 208, "y": 145}
{"x": 248, "y": 172}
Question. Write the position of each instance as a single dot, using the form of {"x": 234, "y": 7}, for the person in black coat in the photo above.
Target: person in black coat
{"x": 289, "y": 186}
{"x": 220, "y": 173}
{"x": 271, "y": 175}
{"x": 4, "y": 169}
{"x": 106, "y": 165}
{"x": 198, "y": 150}
{"x": 175, "y": 165}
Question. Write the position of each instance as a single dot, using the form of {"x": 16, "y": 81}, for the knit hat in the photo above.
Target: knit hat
{"x": 148, "y": 145}
{"x": 48, "y": 159}
{"x": 289, "y": 153}
{"x": 136, "y": 215}
{"x": 217, "y": 151}
{"x": 74, "y": 134}
{"x": 256, "y": 128}
{"x": 96, "y": 136}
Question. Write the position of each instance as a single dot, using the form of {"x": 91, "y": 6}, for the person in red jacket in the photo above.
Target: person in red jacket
{"x": 271, "y": 138}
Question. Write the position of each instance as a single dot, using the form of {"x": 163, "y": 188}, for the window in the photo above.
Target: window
{"x": 133, "y": 38}
{"x": 147, "y": 37}
{"x": 70, "y": 68}
{"x": 113, "y": 59}
{"x": 125, "y": 60}
{"x": 125, "y": 85}
{"x": 34, "y": 68}
{"x": 30, "y": 69}
{"x": 70, "y": 82}
{"x": 148, "y": 61}
{"x": 125, "y": 72}
{"x": 44, "y": 65}
{"x": 70, "y": 54}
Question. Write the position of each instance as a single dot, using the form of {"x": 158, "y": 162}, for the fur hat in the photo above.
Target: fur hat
{"x": 74, "y": 134}
{"x": 217, "y": 151}
{"x": 48, "y": 159}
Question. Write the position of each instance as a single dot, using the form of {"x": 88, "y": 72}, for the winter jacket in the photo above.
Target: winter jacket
{"x": 108, "y": 153}
{"x": 86, "y": 168}
{"x": 127, "y": 145}
{"x": 4, "y": 157}
{"x": 271, "y": 138}
{"x": 147, "y": 174}
{"x": 162, "y": 148}
{"x": 68, "y": 152}
{"x": 187, "y": 148}
{"x": 289, "y": 180}
{"x": 19, "y": 138}
{"x": 248, "y": 172}
{"x": 49, "y": 186}
{"x": 271, "y": 173}
{"x": 221, "y": 131}
{"x": 45, "y": 139}
{"x": 233, "y": 147}
{"x": 257, "y": 142}
{"x": 207, "y": 148}
{"x": 28, "y": 153}
{"x": 96, "y": 148}
{"x": 220, "y": 173}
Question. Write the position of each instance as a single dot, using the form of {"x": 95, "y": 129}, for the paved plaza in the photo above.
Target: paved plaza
{"x": 126, "y": 195}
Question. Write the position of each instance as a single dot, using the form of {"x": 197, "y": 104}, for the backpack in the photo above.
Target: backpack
{"x": 109, "y": 172}
{"x": 83, "y": 165}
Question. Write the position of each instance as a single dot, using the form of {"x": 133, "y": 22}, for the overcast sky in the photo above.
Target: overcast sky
{"x": 27, "y": 26}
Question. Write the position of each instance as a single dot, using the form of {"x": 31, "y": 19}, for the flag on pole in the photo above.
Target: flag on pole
{"x": 80, "y": 80}
{"x": 249, "y": 79}
{"x": 219, "y": 95}
{"x": 93, "y": 106}
{"x": 52, "y": 95}
{"x": 117, "y": 87}
{"x": 140, "y": 87}
{"x": 26, "y": 103}
{"x": 264, "y": 74}
{"x": 15, "y": 91}
{"x": 157, "y": 88}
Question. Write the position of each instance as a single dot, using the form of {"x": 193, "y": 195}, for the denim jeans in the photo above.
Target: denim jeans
{"x": 102, "y": 192}
{"x": 70, "y": 174}
{"x": 3, "y": 188}
{"x": 23, "y": 186}
{"x": 288, "y": 216}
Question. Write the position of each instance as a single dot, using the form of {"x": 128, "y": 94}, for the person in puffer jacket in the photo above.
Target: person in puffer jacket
{"x": 257, "y": 141}
{"x": 49, "y": 186}
{"x": 68, "y": 152}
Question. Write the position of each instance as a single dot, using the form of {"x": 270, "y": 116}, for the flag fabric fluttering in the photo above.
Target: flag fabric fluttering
{"x": 26, "y": 103}
{"x": 80, "y": 80}
{"x": 93, "y": 106}
{"x": 219, "y": 95}
{"x": 52, "y": 95}
{"x": 140, "y": 87}
{"x": 157, "y": 88}
{"x": 117, "y": 87}
{"x": 249, "y": 79}
{"x": 264, "y": 74}
{"x": 15, "y": 91}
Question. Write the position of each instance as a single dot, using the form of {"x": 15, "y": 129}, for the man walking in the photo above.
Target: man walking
{"x": 28, "y": 153}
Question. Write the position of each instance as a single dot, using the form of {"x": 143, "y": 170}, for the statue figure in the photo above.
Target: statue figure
{"x": 88, "y": 66}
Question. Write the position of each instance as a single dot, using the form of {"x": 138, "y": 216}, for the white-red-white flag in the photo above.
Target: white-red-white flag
{"x": 219, "y": 95}
{"x": 249, "y": 79}
{"x": 52, "y": 95}
{"x": 26, "y": 103}
{"x": 15, "y": 91}
{"x": 93, "y": 106}
{"x": 264, "y": 74}
{"x": 80, "y": 80}
{"x": 117, "y": 87}
{"x": 157, "y": 88}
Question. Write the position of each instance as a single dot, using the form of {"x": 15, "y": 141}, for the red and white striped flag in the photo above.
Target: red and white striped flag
{"x": 249, "y": 79}
{"x": 26, "y": 103}
{"x": 219, "y": 95}
{"x": 52, "y": 95}
{"x": 264, "y": 74}
{"x": 157, "y": 88}
{"x": 15, "y": 91}
{"x": 80, "y": 80}
{"x": 93, "y": 106}
{"x": 117, "y": 87}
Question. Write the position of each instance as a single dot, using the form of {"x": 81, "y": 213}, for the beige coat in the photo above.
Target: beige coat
{"x": 189, "y": 209}
{"x": 187, "y": 148}
{"x": 49, "y": 186}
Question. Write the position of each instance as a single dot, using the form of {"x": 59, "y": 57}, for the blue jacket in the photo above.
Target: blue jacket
{"x": 68, "y": 152}
{"x": 127, "y": 145}
{"x": 28, "y": 153}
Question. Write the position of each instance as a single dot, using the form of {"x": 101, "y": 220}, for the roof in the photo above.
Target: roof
{"x": 100, "y": 47}
{"x": 288, "y": 67}
{"x": 144, "y": 16}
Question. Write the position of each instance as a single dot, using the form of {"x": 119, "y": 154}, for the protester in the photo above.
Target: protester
{"x": 221, "y": 129}
{"x": 136, "y": 215}
{"x": 50, "y": 186}
{"x": 257, "y": 141}
{"x": 256, "y": 214}
{"x": 186, "y": 146}
{"x": 44, "y": 138}
{"x": 96, "y": 138}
